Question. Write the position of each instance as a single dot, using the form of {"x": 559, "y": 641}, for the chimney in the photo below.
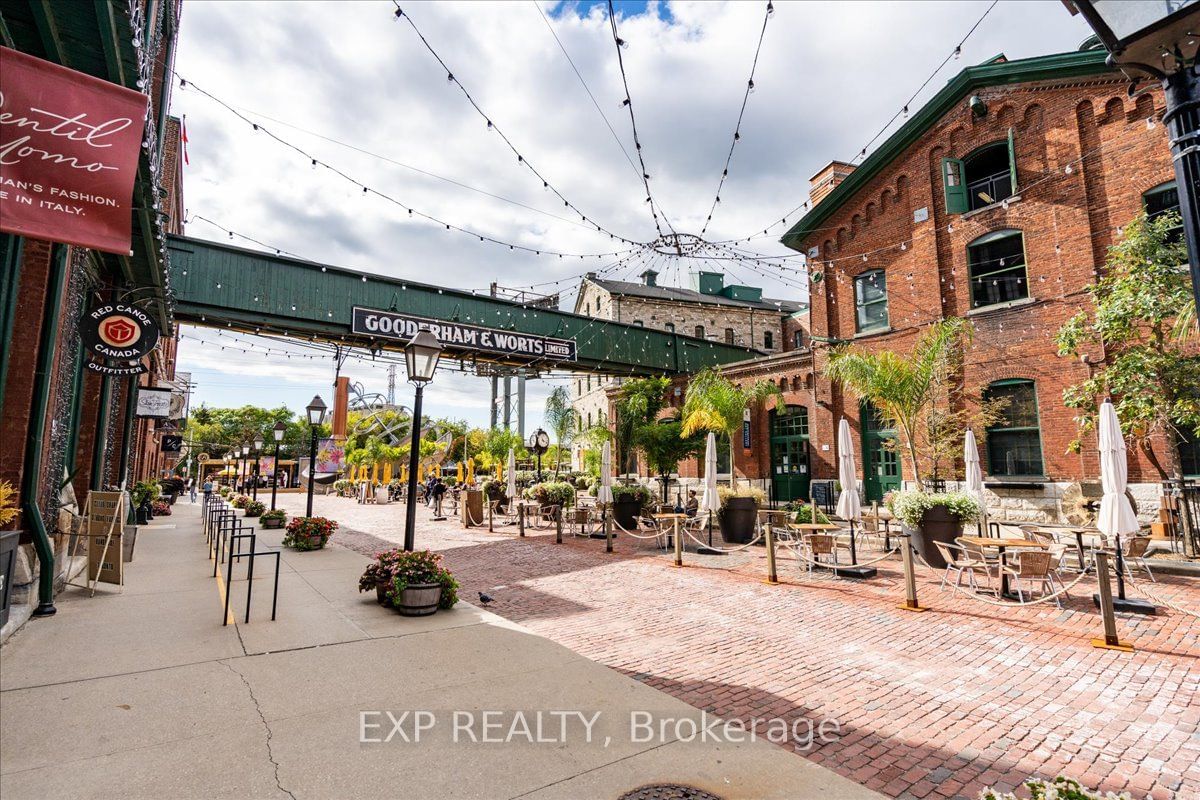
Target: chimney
{"x": 591, "y": 276}
{"x": 826, "y": 180}
{"x": 649, "y": 277}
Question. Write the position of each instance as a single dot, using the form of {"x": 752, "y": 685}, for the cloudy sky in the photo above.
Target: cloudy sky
{"x": 356, "y": 88}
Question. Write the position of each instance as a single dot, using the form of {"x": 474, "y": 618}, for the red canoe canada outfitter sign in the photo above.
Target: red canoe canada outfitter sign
{"x": 69, "y": 148}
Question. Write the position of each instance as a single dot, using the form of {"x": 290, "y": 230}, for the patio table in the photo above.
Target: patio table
{"x": 673, "y": 518}
{"x": 1001, "y": 545}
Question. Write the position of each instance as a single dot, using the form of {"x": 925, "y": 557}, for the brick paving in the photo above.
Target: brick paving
{"x": 935, "y": 705}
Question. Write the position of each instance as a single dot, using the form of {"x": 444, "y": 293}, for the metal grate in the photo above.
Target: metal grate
{"x": 669, "y": 791}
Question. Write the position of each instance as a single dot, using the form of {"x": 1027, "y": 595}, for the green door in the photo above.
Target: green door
{"x": 789, "y": 453}
{"x": 881, "y": 464}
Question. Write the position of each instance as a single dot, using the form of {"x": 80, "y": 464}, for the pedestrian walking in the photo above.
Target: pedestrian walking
{"x": 192, "y": 489}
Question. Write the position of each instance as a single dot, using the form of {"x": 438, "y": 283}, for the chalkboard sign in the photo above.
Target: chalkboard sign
{"x": 823, "y": 495}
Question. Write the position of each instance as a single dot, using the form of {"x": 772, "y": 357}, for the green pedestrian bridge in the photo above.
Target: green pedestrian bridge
{"x": 221, "y": 286}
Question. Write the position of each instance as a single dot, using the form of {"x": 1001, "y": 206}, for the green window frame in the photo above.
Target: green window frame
{"x": 996, "y": 268}
{"x": 1189, "y": 453}
{"x": 1014, "y": 444}
{"x": 871, "y": 301}
{"x": 956, "y": 184}
{"x": 793, "y": 422}
{"x": 1162, "y": 199}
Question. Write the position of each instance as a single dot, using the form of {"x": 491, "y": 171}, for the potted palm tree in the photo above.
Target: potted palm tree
{"x": 714, "y": 403}
{"x": 663, "y": 447}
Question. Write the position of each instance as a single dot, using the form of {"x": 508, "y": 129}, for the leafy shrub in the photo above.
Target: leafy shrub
{"x": 495, "y": 490}
{"x": 160, "y": 508}
{"x": 1061, "y": 788}
{"x": 241, "y": 501}
{"x": 309, "y": 533}
{"x": 802, "y": 513}
{"x": 144, "y": 492}
{"x": 255, "y": 508}
{"x": 343, "y": 485}
{"x": 726, "y": 494}
{"x": 623, "y": 492}
{"x": 270, "y": 516}
{"x": 225, "y": 491}
{"x": 552, "y": 493}
{"x": 910, "y": 506}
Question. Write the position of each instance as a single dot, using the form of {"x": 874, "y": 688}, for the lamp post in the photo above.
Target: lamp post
{"x": 225, "y": 472}
{"x": 277, "y": 432}
{"x": 245, "y": 465}
{"x": 1159, "y": 39}
{"x": 421, "y": 356}
{"x": 258, "y": 446}
{"x": 539, "y": 443}
{"x": 316, "y": 415}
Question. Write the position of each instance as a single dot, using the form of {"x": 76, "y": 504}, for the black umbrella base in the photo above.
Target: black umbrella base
{"x": 1130, "y": 606}
{"x": 601, "y": 535}
{"x": 855, "y": 571}
{"x": 710, "y": 551}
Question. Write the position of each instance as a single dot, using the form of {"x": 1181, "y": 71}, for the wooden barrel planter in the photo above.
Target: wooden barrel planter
{"x": 419, "y": 599}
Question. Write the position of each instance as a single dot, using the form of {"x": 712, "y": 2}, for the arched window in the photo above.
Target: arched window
{"x": 986, "y": 176}
{"x": 996, "y": 263}
{"x": 870, "y": 301}
{"x": 1161, "y": 200}
{"x": 1014, "y": 443}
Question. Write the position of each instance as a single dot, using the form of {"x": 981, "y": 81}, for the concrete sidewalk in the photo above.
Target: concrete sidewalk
{"x": 142, "y": 693}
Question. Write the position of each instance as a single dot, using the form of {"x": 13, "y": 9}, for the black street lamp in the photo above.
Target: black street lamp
{"x": 258, "y": 446}
{"x": 421, "y": 356}
{"x": 277, "y": 432}
{"x": 316, "y": 415}
{"x": 1158, "y": 38}
{"x": 245, "y": 470}
{"x": 538, "y": 444}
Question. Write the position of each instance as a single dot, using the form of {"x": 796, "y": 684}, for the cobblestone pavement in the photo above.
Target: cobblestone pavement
{"x": 933, "y": 705}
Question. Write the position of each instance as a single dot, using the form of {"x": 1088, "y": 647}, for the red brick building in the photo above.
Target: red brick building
{"x": 996, "y": 202}
{"x": 66, "y": 427}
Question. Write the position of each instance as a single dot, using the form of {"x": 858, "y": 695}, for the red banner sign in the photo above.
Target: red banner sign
{"x": 69, "y": 148}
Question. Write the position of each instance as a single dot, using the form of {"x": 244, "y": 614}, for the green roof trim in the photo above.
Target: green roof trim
{"x": 1026, "y": 70}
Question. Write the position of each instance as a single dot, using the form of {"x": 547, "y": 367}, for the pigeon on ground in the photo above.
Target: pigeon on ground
{"x": 485, "y": 598}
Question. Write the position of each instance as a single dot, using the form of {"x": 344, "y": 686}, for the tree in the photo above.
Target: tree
{"x": 638, "y": 403}
{"x": 1149, "y": 368}
{"x": 499, "y": 441}
{"x": 714, "y": 403}
{"x": 664, "y": 447}
{"x": 562, "y": 419}
{"x": 907, "y": 389}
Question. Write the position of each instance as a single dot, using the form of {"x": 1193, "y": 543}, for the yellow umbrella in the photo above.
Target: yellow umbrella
{"x": 499, "y": 471}
{"x": 460, "y": 472}
{"x": 375, "y": 472}
{"x": 470, "y": 470}
{"x": 387, "y": 472}
{"x": 420, "y": 473}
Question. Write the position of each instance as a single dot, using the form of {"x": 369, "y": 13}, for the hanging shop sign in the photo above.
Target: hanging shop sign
{"x": 746, "y": 428}
{"x": 118, "y": 332}
{"x": 171, "y": 444}
{"x": 456, "y": 336}
{"x": 154, "y": 403}
{"x": 69, "y": 146}
{"x": 116, "y": 370}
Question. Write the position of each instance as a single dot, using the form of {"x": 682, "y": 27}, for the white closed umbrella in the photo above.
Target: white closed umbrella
{"x": 710, "y": 501}
{"x": 848, "y": 506}
{"x": 974, "y": 473}
{"x": 1116, "y": 514}
{"x": 511, "y": 469}
{"x": 604, "y": 494}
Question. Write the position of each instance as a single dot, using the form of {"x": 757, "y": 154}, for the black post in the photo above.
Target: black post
{"x": 275, "y": 476}
{"x": 539, "y": 469}
{"x": 312, "y": 466}
{"x": 1182, "y": 119}
{"x": 410, "y": 510}
{"x": 254, "y": 486}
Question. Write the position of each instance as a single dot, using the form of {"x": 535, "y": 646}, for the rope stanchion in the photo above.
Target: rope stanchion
{"x": 1110, "y": 640}
{"x": 678, "y": 546}
{"x": 795, "y": 548}
{"x": 1007, "y": 603}
{"x": 750, "y": 543}
{"x": 772, "y": 573}
{"x": 1141, "y": 588}
{"x": 608, "y": 536}
{"x": 910, "y": 577}
{"x": 521, "y": 521}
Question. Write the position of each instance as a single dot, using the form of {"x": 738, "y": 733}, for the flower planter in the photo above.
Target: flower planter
{"x": 381, "y": 594}
{"x": 937, "y": 525}
{"x": 272, "y": 523}
{"x": 142, "y": 516}
{"x": 419, "y": 599}
{"x": 738, "y": 518}
{"x": 625, "y": 512}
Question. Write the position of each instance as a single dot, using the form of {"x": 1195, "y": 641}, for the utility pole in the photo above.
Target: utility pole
{"x": 391, "y": 393}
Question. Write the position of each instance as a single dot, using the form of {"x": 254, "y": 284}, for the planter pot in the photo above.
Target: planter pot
{"x": 738, "y": 519}
{"x": 419, "y": 599}
{"x": 937, "y": 525}
{"x": 272, "y": 523}
{"x": 8, "y": 562}
{"x": 381, "y": 594}
{"x": 142, "y": 516}
{"x": 625, "y": 512}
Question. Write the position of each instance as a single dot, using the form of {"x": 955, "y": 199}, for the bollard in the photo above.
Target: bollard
{"x": 678, "y": 544}
{"x": 607, "y": 531}
{"x": 490, "y": 510}
{"x": 772, "y": 575}
{"x": 1110, "y": 640}
{"x": 558, "y": 526}
{"x": 910, "y": 577}
{"x": 521, "y": 521}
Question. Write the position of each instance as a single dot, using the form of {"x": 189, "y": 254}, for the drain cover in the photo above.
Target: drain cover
{"x": 669, "y": 791}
